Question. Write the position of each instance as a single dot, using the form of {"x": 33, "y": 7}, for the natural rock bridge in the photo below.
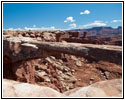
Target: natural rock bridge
{"x": 22, "y": 48}
{"x": 60, "y": 66}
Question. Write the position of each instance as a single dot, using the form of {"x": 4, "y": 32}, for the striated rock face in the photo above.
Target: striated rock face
{"x": 112, "y": 88}
{"x": 99, "y": 89}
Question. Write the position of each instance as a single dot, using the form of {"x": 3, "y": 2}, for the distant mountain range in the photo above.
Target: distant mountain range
{"x": 100, "y": 31}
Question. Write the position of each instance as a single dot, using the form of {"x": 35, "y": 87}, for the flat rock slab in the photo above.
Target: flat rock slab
{"x": 98, "y": 52}
{"x": 21, "y": 48}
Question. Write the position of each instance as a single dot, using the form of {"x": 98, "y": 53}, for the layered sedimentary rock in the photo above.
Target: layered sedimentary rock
{"x": 26, "y": 48}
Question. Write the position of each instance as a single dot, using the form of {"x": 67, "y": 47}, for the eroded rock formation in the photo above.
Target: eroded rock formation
{"x": 20, "y": 47}
{"x": 36, "y": 58}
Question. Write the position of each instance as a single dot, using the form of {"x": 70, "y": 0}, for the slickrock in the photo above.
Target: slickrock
{"x": 99, "y": 89}
{"x": 17, "y": 89}
{"x": 109, "y": 88}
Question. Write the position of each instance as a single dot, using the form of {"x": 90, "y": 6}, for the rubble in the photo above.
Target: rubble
{"x": 78, "y": 63}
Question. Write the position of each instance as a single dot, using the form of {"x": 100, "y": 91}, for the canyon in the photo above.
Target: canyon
{"x": 60, "y": 65}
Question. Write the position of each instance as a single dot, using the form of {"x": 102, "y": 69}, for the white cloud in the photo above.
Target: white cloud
{"x": 10, "y": 29}
{"x": 52, "y": 27}
{"x": 34, "y": 25}
{"x": 41, "y": 28}
{"x": 65, "y": 21}
{"x": 72, "y": 25}
{"x": 36, "y": 29}
{"x": 115, "y": 21}
{"x": 15, "y": 29}
{"x": 95, "y": 23}
{"x": 69, "y": 19}
{"x": 98, "y": 21}
{"x": 85, "y": 12}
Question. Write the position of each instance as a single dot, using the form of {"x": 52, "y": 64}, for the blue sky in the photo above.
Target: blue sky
{"x": 61, "y": 15}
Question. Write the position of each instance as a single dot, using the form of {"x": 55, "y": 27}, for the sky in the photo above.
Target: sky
{"x": 40, "y": 16}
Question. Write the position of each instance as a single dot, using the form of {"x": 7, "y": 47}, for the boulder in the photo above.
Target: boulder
{"x": 99, "y": 89}
{"x": 88, "y": 92}
{"x": 17, "y": 89}
{"x": 78, "y": 63}
{"x": 48, "y": 36}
